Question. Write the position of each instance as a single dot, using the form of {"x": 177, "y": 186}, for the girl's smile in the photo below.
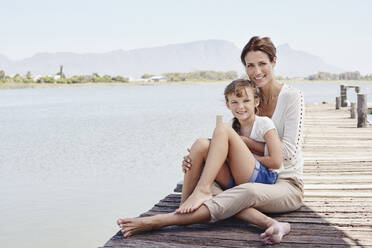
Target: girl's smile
{"x": 243, "y": 108}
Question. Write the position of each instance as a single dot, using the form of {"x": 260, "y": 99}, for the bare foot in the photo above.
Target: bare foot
{"x": 195, "y": 200}
{"x": 130, "y": 227}
{"x": 275, "y": 233}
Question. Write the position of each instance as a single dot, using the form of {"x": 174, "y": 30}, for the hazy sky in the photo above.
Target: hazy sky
{"x": 338, "y": 31}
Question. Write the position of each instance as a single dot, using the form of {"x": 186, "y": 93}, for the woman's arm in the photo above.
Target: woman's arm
{"x": 293, "y": 125}
{"x": 254, "y": 146}
{"x": 274, "y": 159}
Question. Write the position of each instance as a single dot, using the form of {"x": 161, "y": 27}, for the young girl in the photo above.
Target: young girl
{"x": 227, "y": 157}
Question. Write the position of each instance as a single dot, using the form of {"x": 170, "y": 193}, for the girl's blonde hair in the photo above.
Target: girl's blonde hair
{"x": 239, "y": 87}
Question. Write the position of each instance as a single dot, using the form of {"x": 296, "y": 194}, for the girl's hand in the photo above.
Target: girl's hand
{"x": 186, "y": 163}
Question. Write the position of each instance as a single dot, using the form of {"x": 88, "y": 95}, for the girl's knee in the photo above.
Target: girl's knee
{"x": 222, "y": 127}
{"x": 201, "y": 146}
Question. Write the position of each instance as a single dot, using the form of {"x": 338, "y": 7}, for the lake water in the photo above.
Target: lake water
{"x": 73, "y": 160}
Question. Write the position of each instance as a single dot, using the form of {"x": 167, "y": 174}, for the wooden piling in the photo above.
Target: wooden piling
{"x": 362, "y": 110}
{"x": 338, "y": 102}
{"x": 343, "y": 96}
{"x": 352, "y": 110}
{"x": 219, "y": 119}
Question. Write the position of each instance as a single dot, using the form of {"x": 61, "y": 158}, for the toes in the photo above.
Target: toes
{"x": 127, "y": 234}
{"x": 119, "y": 221}
{"x": 267, "y": 240}
{"x": 124, "y": 221}
{"x": 186, "y": 210}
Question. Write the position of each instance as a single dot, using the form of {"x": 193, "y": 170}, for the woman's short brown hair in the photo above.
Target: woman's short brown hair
{"x": 259, "y": 44}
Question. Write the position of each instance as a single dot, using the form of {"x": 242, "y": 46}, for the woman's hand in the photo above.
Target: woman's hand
{"x": 186, "y": 163}
{"x": 255, "y": 147}
{"x": 245, "y": 139}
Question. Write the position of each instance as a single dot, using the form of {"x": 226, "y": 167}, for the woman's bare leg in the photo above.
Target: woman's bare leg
{"x": 274, "y": 230}
{"x": 225, "y": 142}
{"x": 132, "y": 226}
{"x": 198, "y": 155}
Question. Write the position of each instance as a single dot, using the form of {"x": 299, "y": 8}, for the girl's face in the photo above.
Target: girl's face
{"x": 242, "y": 107}
{"x": 259, "y": 68}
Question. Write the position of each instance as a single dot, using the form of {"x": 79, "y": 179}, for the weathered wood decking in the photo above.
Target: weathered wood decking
{"x": 337, "y": 209}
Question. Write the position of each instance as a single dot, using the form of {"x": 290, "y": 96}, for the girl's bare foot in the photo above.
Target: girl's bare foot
{"x": 194, "y": 201}
{"x": 130, "y": 227}
{"x": 275, "y": 233}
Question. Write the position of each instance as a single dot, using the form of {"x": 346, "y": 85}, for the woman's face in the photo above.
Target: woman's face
{"x": 259, "y": 68}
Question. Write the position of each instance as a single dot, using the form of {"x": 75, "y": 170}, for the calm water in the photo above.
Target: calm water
{"x": 74, "y": 160}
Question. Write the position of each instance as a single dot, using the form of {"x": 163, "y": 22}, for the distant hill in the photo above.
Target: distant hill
{"x": 294, "y": 63}
{"x": 217, "y": 55}
{"x": 4, "y": 62}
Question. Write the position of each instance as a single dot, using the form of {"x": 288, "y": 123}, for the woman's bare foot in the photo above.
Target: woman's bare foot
{"x": 130, "y": 227}
{"x": 194, "y": 201}
{"x": 275, "y": 233}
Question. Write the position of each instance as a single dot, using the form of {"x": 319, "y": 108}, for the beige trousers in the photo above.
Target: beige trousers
{"x": 284, "y": 196}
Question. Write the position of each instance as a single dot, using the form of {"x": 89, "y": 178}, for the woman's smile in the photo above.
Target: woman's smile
{"x": 259, "y": 67}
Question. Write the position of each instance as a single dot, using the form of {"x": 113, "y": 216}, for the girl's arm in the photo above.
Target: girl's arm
{"x": 254, "y": 146}
{"x": 275, "y": 158}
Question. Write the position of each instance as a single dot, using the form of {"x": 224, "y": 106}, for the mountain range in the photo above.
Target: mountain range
{"x": 217, "y": 55}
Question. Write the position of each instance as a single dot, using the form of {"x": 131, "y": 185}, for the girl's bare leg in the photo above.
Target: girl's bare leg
{"x": 198, "y": 155}
{"x": 274, "y": 230}
{"x": 225, "y": 142}
{"x": 132, "y": 226}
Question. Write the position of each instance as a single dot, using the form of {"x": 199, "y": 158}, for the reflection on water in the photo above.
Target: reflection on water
{"x": 74, "y": 160}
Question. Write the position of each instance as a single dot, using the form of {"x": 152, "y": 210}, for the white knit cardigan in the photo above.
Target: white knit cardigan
{"x": 288, "y": 118}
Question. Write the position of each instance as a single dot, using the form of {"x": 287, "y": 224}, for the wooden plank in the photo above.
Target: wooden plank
{"x": 339, "y": 194}
{"x": 338, "y": 187}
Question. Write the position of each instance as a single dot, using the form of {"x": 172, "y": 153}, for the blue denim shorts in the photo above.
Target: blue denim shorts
{"x": 260, "y": 175}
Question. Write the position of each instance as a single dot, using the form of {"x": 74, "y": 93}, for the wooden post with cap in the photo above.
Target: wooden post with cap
{"x": 219, "y": 119}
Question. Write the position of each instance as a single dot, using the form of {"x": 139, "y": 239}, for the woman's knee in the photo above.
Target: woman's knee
{"x": 248, "y": 190}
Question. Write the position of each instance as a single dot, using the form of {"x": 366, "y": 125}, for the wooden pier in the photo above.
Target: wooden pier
{"x": 337, "y": 209}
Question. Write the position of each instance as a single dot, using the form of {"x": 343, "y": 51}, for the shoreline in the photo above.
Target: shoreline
{"x": 7, "y": 86}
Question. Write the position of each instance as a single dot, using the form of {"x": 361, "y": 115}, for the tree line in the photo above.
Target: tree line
{"x": 205, "y": 75}
{"x": 200, "y": 76}
{"x": 95, "y": 77}
{"x": 339, "y": 76}
{"x": 61, "y": 79}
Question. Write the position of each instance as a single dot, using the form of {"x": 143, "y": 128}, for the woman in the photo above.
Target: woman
{"x": 285, "y": 106}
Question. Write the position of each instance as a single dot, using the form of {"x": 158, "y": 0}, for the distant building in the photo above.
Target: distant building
{"x": 158, "y": 79}
{"x": 36, "y": 77}
{"x": 132, "y": 79}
